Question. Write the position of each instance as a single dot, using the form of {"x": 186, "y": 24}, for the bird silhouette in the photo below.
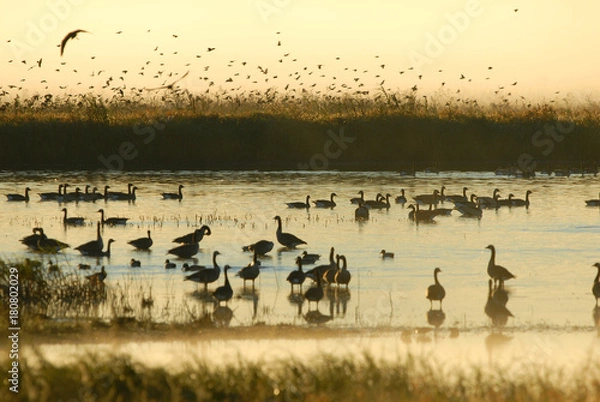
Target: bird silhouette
{"x": 70, "y": 35}
{"x": 169, "y": 86}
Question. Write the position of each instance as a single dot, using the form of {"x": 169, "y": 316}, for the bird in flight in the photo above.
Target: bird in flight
{"x": 70, "y": 35}
{"x": 168, "y": 86}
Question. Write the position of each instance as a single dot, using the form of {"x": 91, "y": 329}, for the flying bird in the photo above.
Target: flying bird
{"x": 70, "y": 35}
{"x": 169, "y": 86}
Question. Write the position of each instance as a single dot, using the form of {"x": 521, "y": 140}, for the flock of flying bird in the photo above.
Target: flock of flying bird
{"x": 333, "y": 273}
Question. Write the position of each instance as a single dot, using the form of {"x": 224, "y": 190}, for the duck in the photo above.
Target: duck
{"x": 497, "y": 272}
{"x": 362, "y": 212}
{"x": 143, "y": 243}
{"x": 435, "y": 291}
{"x": 343, "y": 276}
{"x": 83, "y": 267}
{"x": 101, "y": 253}
{"x": 251, "y": 271}
{"x": 186, "y": 250}
{"x": 298, "y": 276}
{"x": 174, "y": 196}
{"x": 385, "y": 254}
{"x": 596, "y": 286}
{"x": 286, "y": 239}
{"x": 19, "y": 197}
{"x": 309, "y": 258}
{"x": 517, "y": 202}
{"x": 135, "y": 263}
{"x": 51, "y": 196}
{"x": 206, "y": 275}
{"x": 170, "y": 265}
{"x": 224, "y": 293}
{"x": 262, "y": 247}
{"x": 93, "y": 246}
{"x": 593, "y": 203}
{"x": 113, "y": 220}
{"x": 401, "y": 199}
{"x": 326, "y": 203}
{"x": 73, "y": 221}
{"x": 98, "y": 277}
{"x": 198, "y": 233}
{"x": 358, "y": 200}
{"x": 300, "y": 205}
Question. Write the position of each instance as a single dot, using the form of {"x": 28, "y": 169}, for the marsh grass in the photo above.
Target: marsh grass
{"x": 323, "y": 378}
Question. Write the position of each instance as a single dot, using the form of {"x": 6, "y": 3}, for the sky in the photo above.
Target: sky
{"x": 484, "y": 48}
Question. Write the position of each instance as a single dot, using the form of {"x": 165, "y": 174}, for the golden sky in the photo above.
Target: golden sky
{"x": 544, "y": 46}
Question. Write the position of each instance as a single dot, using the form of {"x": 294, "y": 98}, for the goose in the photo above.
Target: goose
{"x": 224, "y": 293}
{"x": 370, "y": 203}
{"x": 19, "y": 197}
{"x": 435, "y": 291}
{"x": 52, "y": 196}
{"x": 489, "y": 202}
{"x": 309, "y": 258}
{"x": 192, "y": 268}
{"x": 326, "y": 203}
{"x": 497, "y": 312}
{"x": 419, "y": 215}
{"x": 471, "y": 203}
{"x": 401, "y": 199}
{"x": 206, "y": 275}
{"x": 298, "y": 276}
{"x": 343, "y": 276}
{"x": 93, "y": 246}
{"x": 113, "y": 220}
{"x": 469, "y": 210}
{"x": 46, "y": 245}
{"x": 186, "y": 250}
{"x": 98, "y": 277}
{"x": 73, "y": 221}
{"x": 329, "y": 275}
{"x": 385, "y": 254}
{"x": 381, "y": 204}
{"x": 121, "y": 196}
{"x": 32, "y": 240}
{"x": 300, "y": 205}
{"x": 262, "y": 247}
{"x": 358, "y": 200}
{"x": 517, "y": 202}
{"x": 596, "y": 287}
{"x": 69, "y": 36}
{"x": 427, "y": 199}
{"x": 505, "y": 202}
{"x": 314, "y": 293}
{"x": 101, "y": 253}
{"x": 93, "y": 196}
{"x": 251, "y": 271}
{"x": 593, "y": 203}
{"x": 361, "y": 213}
{"x": 174, "y": 196}
{"x": 143, "y": 243}
{"x": 198, "y": 233}
{"x": 286, "y": 239}
{"x": 454, "y": 198}
{"x": 135, "y": 263}
{"x": 170, "y": 265}
{"x": 497, "y": 272}
{"x": 74, "y": 196}
{"x": 319, "y": 270}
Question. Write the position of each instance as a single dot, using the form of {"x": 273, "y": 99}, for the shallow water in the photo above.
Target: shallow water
{"x": 550, "y": 246}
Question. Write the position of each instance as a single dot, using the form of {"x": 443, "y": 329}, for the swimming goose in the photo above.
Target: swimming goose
{"x": 309, "y": 258}
{"x": 262, "y": 247}
{"x": 370, "y": 203}
{"x": 135, "y": 263}
{"x": 286, "y": 239}
{"x": 470, "y": 210}
{"x": 298, "y": 276}
{"x": 319, "y": 270}
{"x": 596, "y": 287}
{"x": 46, "y": 245}
{"x": 93, "y": 196}
{"x": 93, "y": 246}
{"x": 74, "y": 196}
{"x": 189, "y": 238}
{"x": 224, "y": 293}
{"x": 19, "y": 197}
{"x": 383, "y": 203}
{"x": 517, "y": 202}
{"x": 343, "y": 276}
{"x": 385, "y": 254}
{"x": 174, "y": 196}
{"x": 98, "y": 277}
{"x": 32, "y": 240}
{"x": 186, "y": 250}
{"x": 435, "y": 291}
{"x": 489, "y": 202}
{"x": 362, "y": 212}
{"x": 593, "y": 203}
{"x": 121, "y": 196}
{"x": 358, "y": 200}
{"x": 52, "y": 196}
{"x": 471, "y": 203}
{"x": 497, "y": 272}
{"x": 419, "y": 215}
{"x": 251, "y": 271}
{"x": 401, "y": 199}
{"x": 300, "y": 205}
{"x": 113, "y": 220}
{"x": 206, "y": 275}
{"x": 74, "y": 221}
{"x": 143, "y": 243}
{"x": 454, "y": 198}
{"x": 101, "y": 253}
{"x": 170, "y": 265}
{"x": 427, "y": 199}
{"x": 326, "y": 203}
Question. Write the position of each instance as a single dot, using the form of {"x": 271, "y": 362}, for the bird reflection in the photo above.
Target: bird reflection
{"x": 436, "y": 317}
{"x": 596, "y": 316}
{"x": 495, "y": 307}
{"x": 222, "y": 316}
{"x": 316, "y": 317}
{"x": 297, "y": 299}
{"x": 250, "y": 295}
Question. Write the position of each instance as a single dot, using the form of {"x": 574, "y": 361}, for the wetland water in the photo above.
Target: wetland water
{"x": 550, "y": 246}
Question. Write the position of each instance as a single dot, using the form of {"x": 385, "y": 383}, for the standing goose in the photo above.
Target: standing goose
{"x": 343, "y": 276}
{"x": 435, "y": 291}
{"x": 286, "y": 239}
{"x": 198, "y": 233}
{"x": 596, "y": 287}
{"x": 326, "y": 203}
{"x": 261, "y": 247}
{"x": 319, "y": 270}
{"x": 309, "y": 258}
{"x": 206, "y": 275}
{"x": 362, "y": 212}
{"x": 401, "y": 199}
{"x": 329, "y": 275}
{"x": 143, "y": 243}
{"x": 358, "y": 200}
{"x": 98, "y": 277}
{"x": 93, "y": 246}
{"x": 19, "y": 197}
{"x": 517, "y": 202}
{"x": 174, "y": 196}
{"x": 52, "y": 196}
{"x": 113, "y": 220}
{"x": 251, "y": 271}
{"x": 73, "y": 221}
{"x": 298, "y": 276}
{"x": 300, "y": 205}
{"x": 497, "y": 272}
{"x": 224, "y": 293}
{"x": 593, "y": 203}
{"x": 186, "y": 250}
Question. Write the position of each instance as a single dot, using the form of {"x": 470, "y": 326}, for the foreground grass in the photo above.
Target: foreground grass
{"x": 326, "y": 378}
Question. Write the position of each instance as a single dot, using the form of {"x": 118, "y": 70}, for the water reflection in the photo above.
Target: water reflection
{"x": 436, "y": 317}
{"x": 495, "y": 307}
{"x": 250, "y": 295}
{"x": 315, "y": 317}
{"x": 596, "y": 316}
{"x": 222, "y": 316}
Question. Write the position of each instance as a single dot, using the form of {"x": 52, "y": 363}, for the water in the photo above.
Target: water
{"x": 550, "y": 246}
